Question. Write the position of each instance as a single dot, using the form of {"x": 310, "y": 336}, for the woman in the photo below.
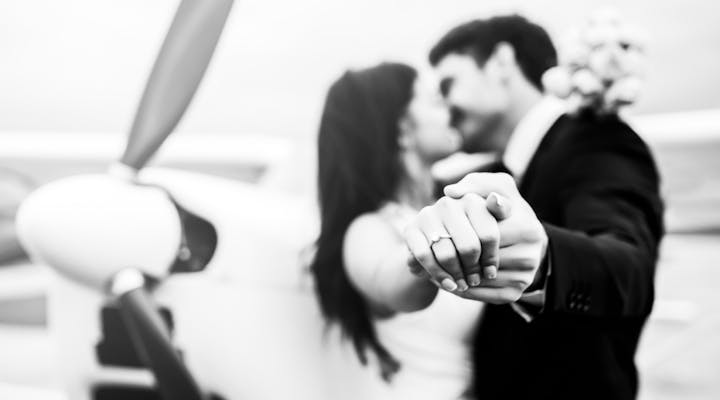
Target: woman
{"x": 381, "y": 130}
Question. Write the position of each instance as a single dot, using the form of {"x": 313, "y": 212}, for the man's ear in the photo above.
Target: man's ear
{"x": 505, "y": 53}
{"x": 503, "y": 61}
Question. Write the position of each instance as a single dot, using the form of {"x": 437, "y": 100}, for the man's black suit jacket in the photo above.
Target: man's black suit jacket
{"x": 594, "y": 185}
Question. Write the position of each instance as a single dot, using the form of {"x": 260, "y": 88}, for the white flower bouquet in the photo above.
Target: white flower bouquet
{"x": 600, "y": 65}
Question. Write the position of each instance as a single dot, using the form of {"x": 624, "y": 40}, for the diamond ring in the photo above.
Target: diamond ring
{"x": 438, "y": 238}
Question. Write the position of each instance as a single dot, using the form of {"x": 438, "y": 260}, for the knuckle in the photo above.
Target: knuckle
{"x": 489, "y": 237}
{"x": 473, "y": 176}
{"x": 445, "y": 202}
{"x": 473, "y": 268}
{"x": 468, "y": 249}
{"x": 526, "y": 263}
{"x": 410, "y": 229}
{"x": 538, "y": 233}
{"x": 472, "y": 199}
{"x": 445, "y": 259}
{"x": 425, "y": 211}
{"x": 506, "y": 179}
{"x": 524, "y": 285}
{"x": 510, "y": 294}
{"x": 425, "y": 258}
{"x": 434, "y": 271}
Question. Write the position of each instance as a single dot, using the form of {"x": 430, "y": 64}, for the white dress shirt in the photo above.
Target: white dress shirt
{"x": 529, "y": 132}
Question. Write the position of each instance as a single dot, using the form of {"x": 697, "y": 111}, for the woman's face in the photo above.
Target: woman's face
{"x": 426, "y": 126}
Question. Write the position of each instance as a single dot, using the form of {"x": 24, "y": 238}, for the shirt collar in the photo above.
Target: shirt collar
{"x": 529, "y": 132}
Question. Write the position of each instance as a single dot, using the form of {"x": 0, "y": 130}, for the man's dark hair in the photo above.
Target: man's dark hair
{"x": 534, "y": 51}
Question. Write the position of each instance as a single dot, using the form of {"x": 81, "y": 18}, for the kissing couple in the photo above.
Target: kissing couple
{"x": 532, "y": 276}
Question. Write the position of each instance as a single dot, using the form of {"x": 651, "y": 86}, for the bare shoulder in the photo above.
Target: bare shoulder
{"x": 369, "y": 240}
{"x": 369, "y": 231}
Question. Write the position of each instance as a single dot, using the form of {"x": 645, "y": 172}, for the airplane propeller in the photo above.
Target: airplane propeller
{"x": 110, "y": 231}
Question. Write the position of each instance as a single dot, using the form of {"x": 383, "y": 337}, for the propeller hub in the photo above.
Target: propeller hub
{"x": 90, "y": 227}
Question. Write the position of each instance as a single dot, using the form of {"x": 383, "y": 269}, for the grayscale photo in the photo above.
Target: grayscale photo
{"x": 359, "y": 200}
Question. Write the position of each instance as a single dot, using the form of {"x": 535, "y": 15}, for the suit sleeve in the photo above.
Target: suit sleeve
{"x": 603, "y": 256}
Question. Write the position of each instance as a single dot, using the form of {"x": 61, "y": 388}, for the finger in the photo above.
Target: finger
{"x": 483, "y": 183}
{"x": 415, "y": 267}
{"x": 441, "y": 245}
{"x": 447, "y": 257}
{"x": 517, "y": 280}
{"x": 499, "y": 206}
{"x": 486, "y": 229}
{"x": 489, "y": 272}
{"x": 520, "y": 257}
{"x": 518, "y": 229}
{"x": 467, "y": 244}
{"x": 420, "y": 249}
{"x": 501, "y": 295}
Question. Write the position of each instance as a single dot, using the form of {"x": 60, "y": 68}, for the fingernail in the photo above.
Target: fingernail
{"x": 474, "y": 279}
{"x": 462, "y": 285}
{"x": 448, "y": 284}
{"x": 491, "y": 272}
{"x": 498, "y": 200}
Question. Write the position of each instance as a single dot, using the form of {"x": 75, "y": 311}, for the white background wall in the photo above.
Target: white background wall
{"x": 80, "y": 65}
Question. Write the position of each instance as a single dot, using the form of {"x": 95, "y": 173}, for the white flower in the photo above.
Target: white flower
{"x": 586, "y": 82}
{"x": 624, "y": 91}
{"x": 576, "y": 101}
{"x": 575, "y": 54}
{"x": 606, "y": 61}
{"x": 557, "y": 81}
{"x": 600, "y": 64}
{"x": 572, "y": 49}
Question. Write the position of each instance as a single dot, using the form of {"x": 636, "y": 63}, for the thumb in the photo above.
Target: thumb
{"x": 499, "y": 206}
{"x": 483, "y": 183}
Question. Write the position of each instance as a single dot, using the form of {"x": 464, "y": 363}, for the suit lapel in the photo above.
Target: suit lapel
{"x": 531, "y": 173}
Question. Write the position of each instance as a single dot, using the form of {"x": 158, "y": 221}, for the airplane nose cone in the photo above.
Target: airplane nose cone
{"x": 89, "y": 227}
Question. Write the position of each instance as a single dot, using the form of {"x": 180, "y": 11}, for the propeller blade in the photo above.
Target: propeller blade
{"x": 151, "y": 339}
{"x": 178, "y": 70}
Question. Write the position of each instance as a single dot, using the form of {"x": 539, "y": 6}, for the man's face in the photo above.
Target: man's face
{"x": 477, "y": 99}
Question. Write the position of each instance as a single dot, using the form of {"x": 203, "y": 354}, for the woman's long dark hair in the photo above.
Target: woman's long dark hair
{"x": 358, "y": 170}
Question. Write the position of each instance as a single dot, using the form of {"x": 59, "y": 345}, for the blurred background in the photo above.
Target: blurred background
{"x": 72, "y": 72}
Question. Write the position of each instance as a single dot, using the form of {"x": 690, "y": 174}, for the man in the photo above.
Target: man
{"x": 572, "y": 283}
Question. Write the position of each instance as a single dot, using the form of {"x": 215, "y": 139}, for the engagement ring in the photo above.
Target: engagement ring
{"x": 438, "y": 238}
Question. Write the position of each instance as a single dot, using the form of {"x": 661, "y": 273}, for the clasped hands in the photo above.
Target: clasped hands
{"x": 480, "y": 241}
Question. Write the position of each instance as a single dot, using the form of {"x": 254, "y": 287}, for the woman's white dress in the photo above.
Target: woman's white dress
{"x": 434, "y": 345}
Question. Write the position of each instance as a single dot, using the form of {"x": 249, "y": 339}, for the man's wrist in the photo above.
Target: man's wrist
{"x": 532, "y": 301}
{"x": 540, "y": 276}
{"x": 541, "y": 273}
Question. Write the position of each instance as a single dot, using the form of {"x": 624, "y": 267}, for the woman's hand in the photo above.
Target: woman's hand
{"x": 456, "y": 241}
{"x": 474, "y": 229}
